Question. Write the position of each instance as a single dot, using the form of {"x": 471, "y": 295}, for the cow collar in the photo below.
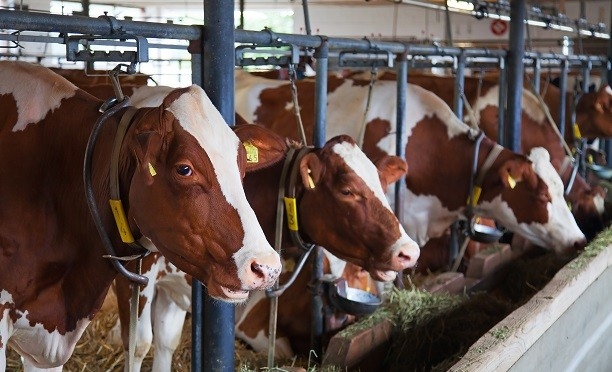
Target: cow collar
{"x": 292, "y": 163}
{"x": 286, "y": 195}
{"x": 476, "y": 179}
{"x": 115, "y": 206}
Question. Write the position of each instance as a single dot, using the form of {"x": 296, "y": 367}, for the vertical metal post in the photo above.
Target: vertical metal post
{"x": 563, "y": 97}
{"x": 400, "y": 147}
{"x": 516, "y": 53}
{"x": 458, "y": 108}
{"x": 197, "y": 289}
{"x": 317, "y": 327}
{"x": 306, "y": 16}
{"x": 321, "y": 55}
{"x": 503, "y": 85}
{"x": 459, "y": 84}
{"x": 537, "y": 70}
{"x": 449, "y": 32}
{"x": 586, "y": 76}
{"x": 218, "y": 68}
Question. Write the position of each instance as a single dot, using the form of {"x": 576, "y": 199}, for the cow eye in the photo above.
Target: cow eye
{"x": 346, "y": 192}
{"x": 184, "y": 170}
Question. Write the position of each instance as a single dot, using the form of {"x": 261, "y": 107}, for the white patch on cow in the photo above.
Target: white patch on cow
{"x": 26, "y": 80}
{"x": 247, "y": 89}
{"x": 336, "y": 265}
{"x": 366, "y": 170}
{"x": 174, "y": 283}
{"x": 149, "y": 96}
{"x": 51, "y": 348}
{"x": 363, "y": 167}
{"x": 530, "y": 104}
{"x": 221, "y": 144}
{"x": 425, "y": 217}
{"x": 608, "y": 90}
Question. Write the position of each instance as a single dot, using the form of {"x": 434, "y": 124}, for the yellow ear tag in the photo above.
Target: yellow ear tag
{"x": 511, "y": 181}
{"x": 252, "y": 152}
{"x": 569, "y": 206}
{"x": 310, "y": 180}
{"x": 121, "y": 221}
{"x": 590, "y": 159}
{"x": 577, "y": 133}
{"x": 152, "y": 170}
{"x": 476, "y": 195}
{"x": 291, "y": 207}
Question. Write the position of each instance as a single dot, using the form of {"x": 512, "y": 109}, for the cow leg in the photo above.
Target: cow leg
{"x": 29, "y": 367}
{"x": 168, "y": 323}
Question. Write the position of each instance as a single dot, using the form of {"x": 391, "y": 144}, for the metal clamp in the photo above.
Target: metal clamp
{"x": 74, "y": 53}
{"x": 265, "y": 55}
{"x": 367, "y": 58}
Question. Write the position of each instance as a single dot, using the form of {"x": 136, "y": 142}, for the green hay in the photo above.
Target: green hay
{"x": 601, "y": 242}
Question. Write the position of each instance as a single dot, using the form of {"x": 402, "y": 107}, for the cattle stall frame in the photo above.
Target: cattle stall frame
{"x": 201, "y": 67}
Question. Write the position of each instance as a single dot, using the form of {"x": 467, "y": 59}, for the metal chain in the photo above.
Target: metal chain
{"x": 296, "y": 104}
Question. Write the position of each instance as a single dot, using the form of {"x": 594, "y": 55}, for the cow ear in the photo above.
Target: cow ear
{"x": 311, "y": 170}
{"x": 392, "y": 169}
{"x": 263, "y": 147}
{"x": 515, "y": 171}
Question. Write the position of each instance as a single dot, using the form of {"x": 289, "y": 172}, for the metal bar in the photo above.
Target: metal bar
{"x": 60, "y": 40}
{"x": 563, "y": 97}
{"x": 400, "y": 123}
{"x": 537, "y": 69}
{"x": 502, "y": 107}
{"x": 321, "y": 55}
{"x": 515, "y": 69}
{"x": 459, "y": 86}
{"x": 32, "y": 21}
{"x": 306, "y": 17}
{"x": 317, "y": 326}
{"x": 218, "y": 68}
{"x": 197, "y": 288}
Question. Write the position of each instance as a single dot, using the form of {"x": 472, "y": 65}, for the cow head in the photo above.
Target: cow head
{"x": 534, "y": 205}
{"x": 594, "y": 113}
{"x": 340, "y": 200}
{"x": 186, "y": 196}
{"x": 360, "y": 225}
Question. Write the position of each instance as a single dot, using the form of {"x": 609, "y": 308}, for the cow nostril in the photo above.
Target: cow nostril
{"x": 258, "y": 270}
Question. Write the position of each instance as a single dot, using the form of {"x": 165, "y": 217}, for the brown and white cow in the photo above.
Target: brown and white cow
{"x": 179, "y": 168}
{"x": 344, "y": 209}
{"x": 440, "y": 150}
{"x": 586, "y": 201}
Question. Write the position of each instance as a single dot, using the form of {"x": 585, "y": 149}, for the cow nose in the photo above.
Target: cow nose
{"x": 580, "y": 244}
{"x": 407, "y": 256}
{"x": 263, "y": 272}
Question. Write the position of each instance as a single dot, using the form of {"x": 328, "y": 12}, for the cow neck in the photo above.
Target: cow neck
{"x": 116, "y": 204}
{"x": 289, "y": 196}
{"x": 478, "y": 173}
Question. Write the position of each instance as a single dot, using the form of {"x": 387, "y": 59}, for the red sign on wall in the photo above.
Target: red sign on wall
{"x": 499, "y": 27}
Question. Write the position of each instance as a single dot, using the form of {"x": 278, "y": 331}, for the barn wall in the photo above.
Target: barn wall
{"x": 403, "y": 21}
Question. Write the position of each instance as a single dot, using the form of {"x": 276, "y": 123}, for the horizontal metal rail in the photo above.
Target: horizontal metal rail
{"x": 45, "y": 22}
